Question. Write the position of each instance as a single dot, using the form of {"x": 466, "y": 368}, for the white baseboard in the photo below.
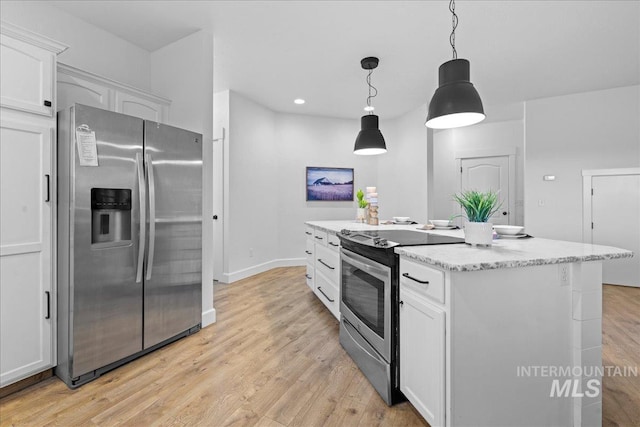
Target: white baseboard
{"x": 208, "y": 317}
{"x": 261, "y": 268}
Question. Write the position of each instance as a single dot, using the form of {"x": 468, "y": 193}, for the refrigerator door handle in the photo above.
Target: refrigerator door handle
{"x": 143, "y": 215}
{"x": 152, "y": 214}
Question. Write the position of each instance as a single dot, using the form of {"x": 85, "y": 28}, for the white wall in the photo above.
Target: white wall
{"x": 183, "y": 72}
{"x": 490, "y": 135}
{"x": 314, "y": 141}
{"x": 564, "y": 135}
{"x": 253, "y": 186}
{"x": 266, "y": 155}
{"x": 90, "y": 48}
{"x": 402, "y": 171}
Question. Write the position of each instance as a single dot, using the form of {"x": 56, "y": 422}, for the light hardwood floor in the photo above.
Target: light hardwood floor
{"x": 273, "y": 359}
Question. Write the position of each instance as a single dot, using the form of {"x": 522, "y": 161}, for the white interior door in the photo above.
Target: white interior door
{"x": 615, "y": 210}
{"x": 489, "y": 173}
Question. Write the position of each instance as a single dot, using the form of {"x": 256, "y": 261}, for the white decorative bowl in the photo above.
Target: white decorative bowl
{"x": 401, "y": 219}
{"x": 509, "y": 230}
{"x": 440, "y": 222}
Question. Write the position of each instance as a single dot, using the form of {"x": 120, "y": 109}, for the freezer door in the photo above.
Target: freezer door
{"x": 173, "y": 279}
{"x": 104, "y": 241}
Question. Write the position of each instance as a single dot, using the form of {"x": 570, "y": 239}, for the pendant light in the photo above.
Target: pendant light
{"x": 456, "y": 102}
{"x": 370, "y": 140}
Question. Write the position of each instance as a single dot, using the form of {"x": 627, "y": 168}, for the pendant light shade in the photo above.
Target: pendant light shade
{"x": 369, "y": 140}
{"x": 456, "y": 102}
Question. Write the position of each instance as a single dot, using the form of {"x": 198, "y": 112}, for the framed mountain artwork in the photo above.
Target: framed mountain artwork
{"x": 329, "y": 184}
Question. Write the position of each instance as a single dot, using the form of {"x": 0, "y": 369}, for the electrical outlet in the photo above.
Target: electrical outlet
{"x": 250, "y": 252}
{"x": 564, "y": 273}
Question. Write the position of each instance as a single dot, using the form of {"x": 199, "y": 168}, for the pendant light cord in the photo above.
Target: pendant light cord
{"x": 371, "y": 87}
{"x": 454, "y": 25}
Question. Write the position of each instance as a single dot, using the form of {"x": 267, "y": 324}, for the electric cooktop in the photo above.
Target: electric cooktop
{"x": 393, "y": 238}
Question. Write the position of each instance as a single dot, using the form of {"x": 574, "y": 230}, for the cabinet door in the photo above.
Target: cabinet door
{"x": 139, "y": 107}
{"x": 26, "y": 203}
{"x": 422, "y": 356}
{"x": 27, "y": 77}
{"x": 72, "y": 89}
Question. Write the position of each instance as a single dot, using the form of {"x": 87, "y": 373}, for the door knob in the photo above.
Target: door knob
{"x": 215, "y": 217}
{"x": 504, "y": 213}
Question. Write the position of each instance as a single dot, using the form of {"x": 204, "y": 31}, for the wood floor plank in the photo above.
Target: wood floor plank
{"x": 273, "y": 359}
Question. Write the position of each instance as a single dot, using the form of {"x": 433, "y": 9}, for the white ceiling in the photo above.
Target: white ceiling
{"x": 275, "y": 51}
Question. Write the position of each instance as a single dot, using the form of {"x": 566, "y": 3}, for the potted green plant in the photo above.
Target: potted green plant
{"x": 362, "y": 206}
{"x": 478, "y": 208}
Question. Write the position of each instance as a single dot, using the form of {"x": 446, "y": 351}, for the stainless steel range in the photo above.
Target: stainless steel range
{"x": 369, "y": 302}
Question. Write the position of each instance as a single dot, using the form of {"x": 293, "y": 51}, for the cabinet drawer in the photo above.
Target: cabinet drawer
{"x": 309, "y": 275}
{"x": 320, "y": 237}
{"x": 328, "y": 294}
{"x": 308, "y": 231}
{"x": 424, "y": 280}
{"x": 333, "y": 242}
{"x": 309, "y": 251}
{"x": 328, "y": 263}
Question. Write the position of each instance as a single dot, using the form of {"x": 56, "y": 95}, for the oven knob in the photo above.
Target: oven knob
{"x": 382, "y": 242}
{"x": 345, "y": 232}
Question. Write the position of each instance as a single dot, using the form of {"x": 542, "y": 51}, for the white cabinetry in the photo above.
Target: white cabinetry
{"x": 77, "y": 86}
{"x": 27, "y": 204}
{"x": 27, "y": 66}
{"x": 309, "y": 252}
{"x": 323, "y": 266}
{"x": 422, "y": 354}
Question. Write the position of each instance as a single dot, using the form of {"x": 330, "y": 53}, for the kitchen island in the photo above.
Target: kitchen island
{"x": 503, "y": 335}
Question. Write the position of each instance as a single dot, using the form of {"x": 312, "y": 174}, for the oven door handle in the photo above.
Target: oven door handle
{"x": 380, "y": 273}
{"x": 360, "y": 342}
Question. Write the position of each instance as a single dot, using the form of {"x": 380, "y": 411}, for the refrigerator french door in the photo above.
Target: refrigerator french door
{"x": 129, "y": 239}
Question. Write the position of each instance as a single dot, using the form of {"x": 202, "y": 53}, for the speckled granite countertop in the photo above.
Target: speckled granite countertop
{"x": 504, "y": 253}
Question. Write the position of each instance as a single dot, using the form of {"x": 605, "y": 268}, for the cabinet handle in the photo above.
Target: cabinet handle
{"x": 307, "y": 252}
{"x": 47, "y": 103}
{"x": 307, "y": 233}
{"x": 319, "y": 238}
{"x": 307, "y": 276}
{"x": 334, "y": 244}
{"x": 325, "y": 264}
{"x": 48, "y": 316}
{"x": 48, "y": 178}
{"x": 401, "y": 303}
{"x": 325, "y": 295}
{"x": 424, "y": 282}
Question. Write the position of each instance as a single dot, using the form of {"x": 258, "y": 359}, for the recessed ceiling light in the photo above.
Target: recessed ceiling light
{"x": 369, "y": 108}
{"x": 299, "y": 101}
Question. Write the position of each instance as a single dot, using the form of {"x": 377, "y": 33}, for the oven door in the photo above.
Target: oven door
{"x": 366, "y": 299}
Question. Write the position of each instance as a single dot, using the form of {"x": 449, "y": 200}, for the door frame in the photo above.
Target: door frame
{"x": 509, "y": 152}
{"x": 587, "y": 206}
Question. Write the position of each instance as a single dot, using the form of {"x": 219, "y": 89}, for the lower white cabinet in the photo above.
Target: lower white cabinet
{"x": 322, "y": 250}
{"x": 27, "y": 203}
{"x": 422, "y": 355}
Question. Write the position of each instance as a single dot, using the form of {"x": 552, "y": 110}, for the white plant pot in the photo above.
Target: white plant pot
{"x": 361, "y": 215}
{"x": 478, "y": 233}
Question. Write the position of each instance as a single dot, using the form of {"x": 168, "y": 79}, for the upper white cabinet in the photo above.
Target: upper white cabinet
{"x": 27, "y": 66}
{"x": 133, "y": 105}
{"x": 73, "y": 89}
{"x": 82, "y": 87}
{"x": 27, "y": 204}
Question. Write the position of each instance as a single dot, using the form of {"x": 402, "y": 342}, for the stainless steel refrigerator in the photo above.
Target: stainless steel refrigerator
{"x": 129, "y": 239}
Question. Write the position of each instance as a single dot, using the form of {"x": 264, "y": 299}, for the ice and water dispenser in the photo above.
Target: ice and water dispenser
{"x": 110, "y": 216}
